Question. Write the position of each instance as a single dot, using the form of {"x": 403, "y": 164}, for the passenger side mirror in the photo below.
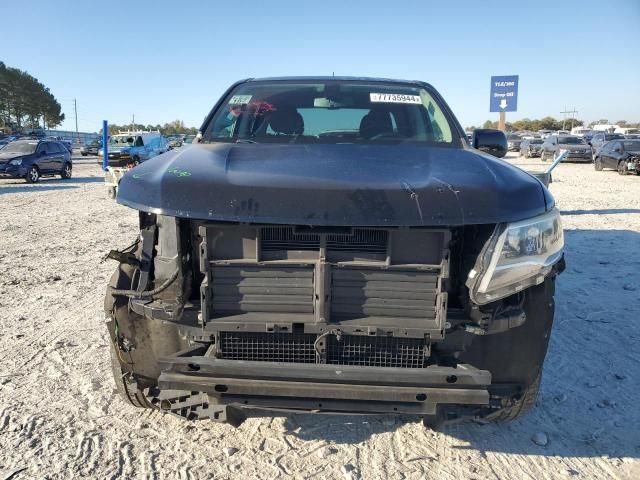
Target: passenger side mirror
{"x": 491, "y": 141}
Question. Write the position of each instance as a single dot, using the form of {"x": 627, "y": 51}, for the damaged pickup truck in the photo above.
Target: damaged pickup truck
{"x": 335, "y": 245}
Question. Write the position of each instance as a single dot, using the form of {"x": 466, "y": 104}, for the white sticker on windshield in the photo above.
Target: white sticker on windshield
{"x": 394, "y": 98}
{"x": 239, "y": 99}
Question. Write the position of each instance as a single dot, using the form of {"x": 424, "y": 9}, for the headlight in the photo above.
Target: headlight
{"x": 17, "y": 161}
{"x": 518, "y": 255}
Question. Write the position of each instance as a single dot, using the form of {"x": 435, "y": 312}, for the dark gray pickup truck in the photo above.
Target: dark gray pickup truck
{"x": 335, "y": 245}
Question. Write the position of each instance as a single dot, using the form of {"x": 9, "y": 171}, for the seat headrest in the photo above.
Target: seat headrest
{"x": 286, "y": 120}
{"x": 375, "y": 122}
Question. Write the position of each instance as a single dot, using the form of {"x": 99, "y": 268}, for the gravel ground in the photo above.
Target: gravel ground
{"x": 59, "y": 416}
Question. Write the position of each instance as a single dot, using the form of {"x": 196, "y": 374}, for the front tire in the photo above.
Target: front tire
{"x": 33, "y": 175}
{"x": 522, "y": 406}
{"x": 66, "y": 171}
{"x": 597, "y": 164}
{"x": 126, "y": 386}
{"x": 622, "y": 168}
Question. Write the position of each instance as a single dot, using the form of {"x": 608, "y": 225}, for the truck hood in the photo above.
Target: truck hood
{"x": 358, "y": 185}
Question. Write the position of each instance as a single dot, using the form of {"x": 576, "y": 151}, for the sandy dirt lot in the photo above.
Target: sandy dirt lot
{"x": 60, "y": 418}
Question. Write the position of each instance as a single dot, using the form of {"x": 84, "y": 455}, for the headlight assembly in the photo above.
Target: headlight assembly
{"x": 518, "y": 255}
{"x": 17, "y": 162}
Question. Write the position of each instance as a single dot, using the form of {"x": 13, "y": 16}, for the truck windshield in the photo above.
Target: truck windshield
{"x": 123, "y": 140}
{"x": 332, "y": 112}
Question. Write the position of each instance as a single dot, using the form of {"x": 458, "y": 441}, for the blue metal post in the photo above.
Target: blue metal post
{"x": 105, "y": 140}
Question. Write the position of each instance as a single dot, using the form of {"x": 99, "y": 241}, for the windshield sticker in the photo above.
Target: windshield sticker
{"x": 394, "y": 98}
{"x": 240, "y": 99}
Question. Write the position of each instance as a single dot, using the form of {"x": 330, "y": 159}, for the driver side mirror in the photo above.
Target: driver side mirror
{"x": 491, "y": 141}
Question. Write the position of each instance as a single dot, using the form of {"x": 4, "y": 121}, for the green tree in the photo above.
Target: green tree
{"x": 26, "y": 101}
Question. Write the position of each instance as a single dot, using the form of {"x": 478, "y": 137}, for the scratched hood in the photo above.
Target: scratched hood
{"x": 361, "y": 185}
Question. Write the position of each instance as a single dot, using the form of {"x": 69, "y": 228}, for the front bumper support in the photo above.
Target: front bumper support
{"x": 197, "y": 383}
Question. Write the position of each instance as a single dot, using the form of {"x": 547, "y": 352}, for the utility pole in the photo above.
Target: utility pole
{"x": 75, "y": 109}
{"x": 133, "y": 121}
{"x": 565, "y": 113}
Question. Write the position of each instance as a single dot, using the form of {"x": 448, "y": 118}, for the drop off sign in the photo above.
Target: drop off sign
{"x": 504, "y": 94}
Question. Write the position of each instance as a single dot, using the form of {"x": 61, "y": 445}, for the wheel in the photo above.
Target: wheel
{"x": 516, "y": 356}
{"x": 543, "y": 156}
{"x": 84, "y": 154}
{"x": 112, "y": 192}
{"x": 520, "y": 407}
{"x": 136, "y": 161}
{"x": 126, "y": 386}
{"x": 33, "y": 175}
{"x": 622, "y": 168}
{"x": 122, "y": 363}
{"x": 597, "y": 164}
{"x": 66, "y": 171}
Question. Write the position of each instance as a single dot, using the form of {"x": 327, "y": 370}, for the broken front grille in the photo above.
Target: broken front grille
{"x": 365, "y": 351}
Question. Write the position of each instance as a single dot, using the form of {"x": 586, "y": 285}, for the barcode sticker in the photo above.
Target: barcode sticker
{"x": 394, "y": 98}
{"x": 240, "y": 99}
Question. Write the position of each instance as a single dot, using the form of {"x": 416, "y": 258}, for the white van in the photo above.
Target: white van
{"x": 627, "y": 130}
{"x": 579, "y": 131}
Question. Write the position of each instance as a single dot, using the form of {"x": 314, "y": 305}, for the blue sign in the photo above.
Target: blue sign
{"x": 504, "y": 94}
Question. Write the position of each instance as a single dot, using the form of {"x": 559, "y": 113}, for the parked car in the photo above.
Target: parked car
{"x": 621, "y": 155}
{"x": 91, "y": 148}
{"x": 132, "y": 148}
{"x": 335, "y": 245}
{"x": 34, "y": 159}
{"x": 513, "y": 142}
{"x": 174, "y": 142}
{"x": 576, "y": 147}
{"x": 188, "y": 139}
{"x": 600, "y": 138}
{"x": 531, "y": 147}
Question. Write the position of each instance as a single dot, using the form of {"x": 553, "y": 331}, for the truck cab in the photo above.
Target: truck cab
{"x": 335, "y": 245}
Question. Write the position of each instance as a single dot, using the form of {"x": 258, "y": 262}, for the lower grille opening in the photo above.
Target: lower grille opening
{"x": 365, "y": 351}
{"x": 376, "y": 351}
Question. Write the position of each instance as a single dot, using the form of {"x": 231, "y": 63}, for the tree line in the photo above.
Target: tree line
{"x": 175, "y": 127}
{"x": 25, "y": 102}
{"x": 550, "y": 123}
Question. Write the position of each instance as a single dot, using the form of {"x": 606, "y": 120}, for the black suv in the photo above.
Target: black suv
{"x": 33, "y": 159}
{"x": 576, "y": 148}
{"x": 335, "y": 245}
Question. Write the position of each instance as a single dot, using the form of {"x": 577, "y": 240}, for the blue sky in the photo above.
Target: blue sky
{"x": 166, "y": 60}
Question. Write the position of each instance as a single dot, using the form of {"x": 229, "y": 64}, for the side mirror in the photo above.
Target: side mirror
{"x": 491, "y": 141}
{"x": 617, "y": 149}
